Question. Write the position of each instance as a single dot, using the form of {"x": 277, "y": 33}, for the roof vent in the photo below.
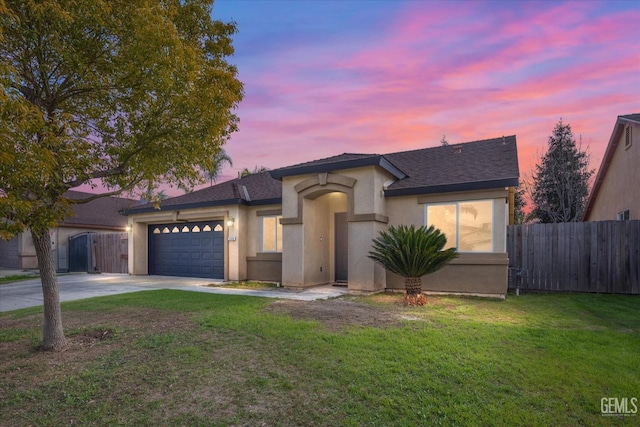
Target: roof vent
{"x": 504, "y": 140}
{"x": 457, "y": 150}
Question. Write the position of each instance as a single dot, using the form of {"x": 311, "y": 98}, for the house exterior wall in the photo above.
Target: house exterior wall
{"x": 477, "y": 274}
{"x": 316, "y": 241}
{"x": 471, "y": 273}
{"x": 308, "y": 209}
{"x": 60, "y": 242}
{"x": 26, "y": 251}
{"x": 9, "y": 253}
{"x": 620, "y": 188}
{"x": 139, "y": 234}
{"x": 242, "y": 239}
{"x": 261, "y": 265}
{"x": 23, "y": 254}
{"x": 308, "y": 220}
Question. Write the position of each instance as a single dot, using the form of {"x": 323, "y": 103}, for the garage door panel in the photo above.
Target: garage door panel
{"x": 189, "y": 250}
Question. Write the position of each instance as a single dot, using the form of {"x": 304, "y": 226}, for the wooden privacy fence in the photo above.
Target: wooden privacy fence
{"x": 110, "y": 252}
{"x": 600, "y": 256}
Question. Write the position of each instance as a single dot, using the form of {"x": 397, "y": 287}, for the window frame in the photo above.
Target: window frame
{"x": 457, "y": 203}
{"x": 278, "y": 225}
{"x": 623, "y": 215}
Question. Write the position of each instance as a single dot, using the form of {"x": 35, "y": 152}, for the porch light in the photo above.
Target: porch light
{"x": 127, "y": 228}
{"x": 230, "y": 222}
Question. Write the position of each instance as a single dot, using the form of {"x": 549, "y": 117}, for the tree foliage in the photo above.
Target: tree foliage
{"x": 561, "y": 181}
{"x": 519, "y": 203}
{"x": 122, "y": 93}
{"x": 218, "y": 159}
{"x": 256, "y": 169}
{"x": 412, "y": 252}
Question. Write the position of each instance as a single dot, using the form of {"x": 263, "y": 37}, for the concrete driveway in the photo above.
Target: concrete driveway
{"x": 28, "y": 293}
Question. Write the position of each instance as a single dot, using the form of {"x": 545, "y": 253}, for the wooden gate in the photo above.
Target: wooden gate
{"x": 99, "y": 253}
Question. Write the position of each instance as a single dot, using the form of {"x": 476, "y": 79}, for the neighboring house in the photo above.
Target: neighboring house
{"x": 313, "y": 223}
{"x": 616, "y": 190}
{"x": 99, "y": 215}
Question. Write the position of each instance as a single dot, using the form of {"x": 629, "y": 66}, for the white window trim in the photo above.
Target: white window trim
{"x": 621, "y": 215}
{"x": 262, "y": 218}
{"x": 457, "y": 203}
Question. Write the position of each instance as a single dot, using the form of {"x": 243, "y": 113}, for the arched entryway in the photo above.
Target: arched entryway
{"x": 326, "y": 236}
{"x": 327, "y": 241}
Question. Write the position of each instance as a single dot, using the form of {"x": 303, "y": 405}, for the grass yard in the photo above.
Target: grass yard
{"x": 250, "y": 284}
{"x": 16, "y": 278}
{"x": 187, "y": 358}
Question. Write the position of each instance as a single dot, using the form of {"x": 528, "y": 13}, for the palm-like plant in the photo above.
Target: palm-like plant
{"x": 412, "y": 252}
{"x": 217, "y": 160}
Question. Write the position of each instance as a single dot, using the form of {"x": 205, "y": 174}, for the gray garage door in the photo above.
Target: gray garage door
{"x": 9, "y": 256}
{"x": 194, "y": 249}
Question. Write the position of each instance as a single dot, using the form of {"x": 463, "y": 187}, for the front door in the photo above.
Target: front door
{"x": 342, "y": 247}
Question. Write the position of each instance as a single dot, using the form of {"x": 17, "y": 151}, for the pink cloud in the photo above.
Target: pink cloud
{"x": 451, "y": 68}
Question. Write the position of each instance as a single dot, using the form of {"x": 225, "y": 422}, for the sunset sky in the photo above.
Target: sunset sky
{"x": 327, "y": 77}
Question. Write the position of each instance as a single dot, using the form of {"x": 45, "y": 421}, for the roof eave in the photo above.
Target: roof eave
{"x": 262, "y": 202}
{"x": 450, "y": 188}
{"x": 242, "y": 202}
{"x": 341, "y": 165}
{"x": 205, "y": 204}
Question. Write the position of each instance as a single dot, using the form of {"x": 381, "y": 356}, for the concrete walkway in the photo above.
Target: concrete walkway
{"x": 28, "y": 293}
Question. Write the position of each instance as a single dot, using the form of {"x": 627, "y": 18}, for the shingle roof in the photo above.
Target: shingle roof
{"x": 633, "y": 117}
{"x": 103, "y": 212}
{"x": 473, "y": 165}
{"x": 254, "y": 189}
{"x": 340, "y": 162}
{"x": 340, "y": 158}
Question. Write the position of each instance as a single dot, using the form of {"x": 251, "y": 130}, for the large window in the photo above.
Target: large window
{"x": 271, "y": 234}
{"x": 467, "y": 225}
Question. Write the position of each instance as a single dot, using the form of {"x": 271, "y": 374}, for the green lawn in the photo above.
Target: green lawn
{"x": 16, "y": 278}
{"x": 185, "y": 358}
{"x": 250, "y": 284}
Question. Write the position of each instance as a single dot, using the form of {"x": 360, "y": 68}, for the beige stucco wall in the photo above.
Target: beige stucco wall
{"x": 471, "y": 273}
{"x": 59, "y": 246}
{"x": 620, "y": 189}
{"x": 474, "y": 274}
{"x": 27, "y": 251}
{"x": 309, "y": 205}
{"x": 411, "y": 210}
{"x": 60, "y": 242}
{"x": 309, "y": 248}
{"x": 308, "y": 256}
{"x": 317, "y": 241}
{"x": 242, "y": 240}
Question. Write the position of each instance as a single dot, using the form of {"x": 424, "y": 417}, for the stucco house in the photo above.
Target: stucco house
{"x": 100, "y": 215}
{"x": 313, "y": 223}
{"x": 616, "y": 190}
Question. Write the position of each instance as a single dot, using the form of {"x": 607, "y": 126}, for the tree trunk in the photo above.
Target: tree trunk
{"x": 413, "y": 285}
{"x": 52, "y": 334}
